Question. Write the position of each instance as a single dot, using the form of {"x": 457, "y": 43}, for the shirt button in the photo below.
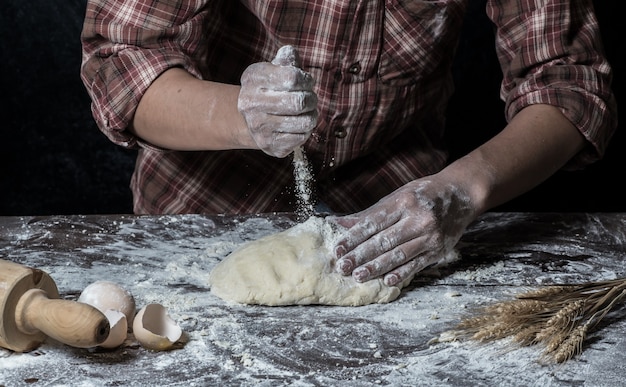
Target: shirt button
{"x": 355, "y": 68}
{"x": 340, "y": 133}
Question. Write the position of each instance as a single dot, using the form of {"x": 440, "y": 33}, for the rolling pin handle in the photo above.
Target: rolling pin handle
{"x": 70, "y": 322}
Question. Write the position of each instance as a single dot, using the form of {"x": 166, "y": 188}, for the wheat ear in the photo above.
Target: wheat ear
{"x": 557, "y": 317}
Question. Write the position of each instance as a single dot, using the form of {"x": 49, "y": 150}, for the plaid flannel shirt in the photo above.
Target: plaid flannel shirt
{"x": 382, "y": 73}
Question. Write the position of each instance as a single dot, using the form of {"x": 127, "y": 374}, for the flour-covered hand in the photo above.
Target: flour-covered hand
{"x": 278, "y": 103}
{"x": 407, "y": 231}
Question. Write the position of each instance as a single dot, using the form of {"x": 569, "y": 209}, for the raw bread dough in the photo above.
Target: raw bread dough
{"x": 293, "y": 267}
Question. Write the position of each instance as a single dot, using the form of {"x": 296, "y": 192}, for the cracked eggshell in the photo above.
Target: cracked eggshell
{"x": 119, "y": 329}
{"x": 155, "y": 329}
{"x": 104, "y": 295}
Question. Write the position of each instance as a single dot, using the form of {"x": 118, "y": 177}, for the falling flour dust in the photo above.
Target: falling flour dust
{"x": 303, "y": 179}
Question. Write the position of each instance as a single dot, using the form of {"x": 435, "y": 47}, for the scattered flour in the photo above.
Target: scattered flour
{"x": 167, "y": 260}
{"x": 480, "y": 274}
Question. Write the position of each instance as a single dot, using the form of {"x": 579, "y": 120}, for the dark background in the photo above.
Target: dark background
{"x": 55, "y": 161}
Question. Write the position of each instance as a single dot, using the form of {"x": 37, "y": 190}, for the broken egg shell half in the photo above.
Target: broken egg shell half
{"x": 119, "y": 329}
{"x": 155, "y": 329}
{"x": 105, "y": 295}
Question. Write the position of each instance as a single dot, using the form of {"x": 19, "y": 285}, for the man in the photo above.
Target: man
{"x": 215, "y": 108}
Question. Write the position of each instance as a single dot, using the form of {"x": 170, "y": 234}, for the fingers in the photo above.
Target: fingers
{"x": 360, "y": 249}
{"x": 382, "y": 252}
{"x": 380, "y": 245}
{"x": 300, "y": 125}
{"x": 280, "y": 103}
{"x": 279, "y": 78}
{"x": 362, "y": 227}
{"x": 396, "y": 265}
{"x": 284, "y": 134}
{"x": 384, "y": 243}
{"x": 284, "y": 144}
{"x": 407, "y": 271}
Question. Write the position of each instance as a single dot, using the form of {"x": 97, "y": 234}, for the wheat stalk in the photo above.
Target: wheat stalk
{"x": 557, "y": 317}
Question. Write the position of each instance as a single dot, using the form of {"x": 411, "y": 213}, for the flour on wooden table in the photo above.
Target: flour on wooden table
{"x": 167, "y": 260}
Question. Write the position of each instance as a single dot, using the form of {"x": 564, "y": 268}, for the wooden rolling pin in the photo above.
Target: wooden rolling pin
{"x": 31, "y": 311}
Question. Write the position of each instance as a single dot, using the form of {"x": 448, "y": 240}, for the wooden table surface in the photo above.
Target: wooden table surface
{"x": 166, "y": 259}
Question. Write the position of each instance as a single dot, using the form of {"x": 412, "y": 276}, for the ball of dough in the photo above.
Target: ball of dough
{"x": 293, "y": 267}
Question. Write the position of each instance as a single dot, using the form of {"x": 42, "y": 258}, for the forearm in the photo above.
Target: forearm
{"x": 181, "y": 112}
{"x": 536, "y": 143}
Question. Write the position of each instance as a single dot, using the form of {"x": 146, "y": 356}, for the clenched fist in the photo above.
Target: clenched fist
{"x": 278, "y": 103}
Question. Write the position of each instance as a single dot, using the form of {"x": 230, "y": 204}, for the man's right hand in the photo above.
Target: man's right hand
{"x": 278, "y": 103}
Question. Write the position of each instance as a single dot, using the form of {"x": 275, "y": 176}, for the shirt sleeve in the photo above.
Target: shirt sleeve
{"x": 126, "y": 45}
{"x": 551, "y": 53}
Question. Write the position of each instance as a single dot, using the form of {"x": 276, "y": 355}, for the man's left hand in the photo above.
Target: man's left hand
{"x": 405, "y": 232}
